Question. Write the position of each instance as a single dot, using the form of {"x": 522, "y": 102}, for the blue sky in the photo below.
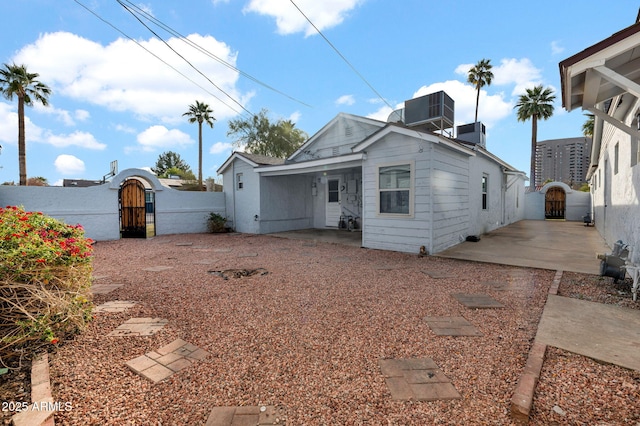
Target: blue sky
{"x": 113, "y": 100}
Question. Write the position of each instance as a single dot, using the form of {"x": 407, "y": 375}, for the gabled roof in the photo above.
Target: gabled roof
{"x": 255, "y": 160}
{"x": 414, "y": 133}
{"x": 318, "y": 135}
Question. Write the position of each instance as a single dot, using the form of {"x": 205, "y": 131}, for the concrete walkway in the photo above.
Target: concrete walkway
{"x": 566, "y": 246}
{"x": 604, "y": 332}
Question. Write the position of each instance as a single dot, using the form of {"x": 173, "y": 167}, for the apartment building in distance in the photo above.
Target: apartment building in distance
{"x": 563, "y": 160}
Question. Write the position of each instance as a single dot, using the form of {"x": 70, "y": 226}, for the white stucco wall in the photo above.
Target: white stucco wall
{"x": 485, "y": 220}
{"x": 285, "y": 203}
{"x": 578, "y": 203}
{"x": 616, "y": 195}
{"x": 243, "y": 205}
{"x": 96, "y": 207}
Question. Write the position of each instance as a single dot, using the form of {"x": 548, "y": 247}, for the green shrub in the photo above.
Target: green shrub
{"x": 45, "y": 276}
{"x": 216, "y": 222}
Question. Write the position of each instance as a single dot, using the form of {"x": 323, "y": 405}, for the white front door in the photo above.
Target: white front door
{"x": 333, "y": 209}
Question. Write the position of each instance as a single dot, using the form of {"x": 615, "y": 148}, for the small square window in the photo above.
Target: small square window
{"x": 239, "y": 182}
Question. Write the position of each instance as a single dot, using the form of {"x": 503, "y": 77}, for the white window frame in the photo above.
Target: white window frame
{"x": 485, "y": 191}
{"x": 239, "y": 182}
{"x": 411, "y": 189}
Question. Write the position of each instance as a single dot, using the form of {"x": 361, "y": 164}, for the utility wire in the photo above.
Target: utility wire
{"x": 342, "y": 56}
{"x": 156, "y": 56}
{"x": 184, "y": 39}
{"x": 183, "y": 58}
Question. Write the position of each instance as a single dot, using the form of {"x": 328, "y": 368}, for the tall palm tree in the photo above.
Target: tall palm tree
{"x": 15, "y": 80}
{"x": 480, "y": 75}
{"x": 587, "y": 126}
{"x": 536, "y": 104}
{"x": 200, "y": 113}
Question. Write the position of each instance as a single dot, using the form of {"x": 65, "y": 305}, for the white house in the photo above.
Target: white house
{"x": 604, "y": 80}
{"x": 404, "y": 186}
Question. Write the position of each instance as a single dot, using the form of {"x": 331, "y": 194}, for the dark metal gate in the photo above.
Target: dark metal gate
{"x": 132, "y": 209}
{"x": 555, "y": 203}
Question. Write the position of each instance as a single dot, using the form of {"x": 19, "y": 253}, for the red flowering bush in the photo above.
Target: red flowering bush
{"x": 45, "y": 275}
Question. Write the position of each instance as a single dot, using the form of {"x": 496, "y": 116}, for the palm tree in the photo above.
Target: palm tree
{"x": 15, "y": 80}
{"x": 587, "y": 127}
{"x": 535, "y": 104}
{"x": 200, "y": 113}
{"x": 480, "y": 75}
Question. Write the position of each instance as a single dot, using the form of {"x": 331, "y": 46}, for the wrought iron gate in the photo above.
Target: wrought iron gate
{"x": 555, "y": 203}
{"x": 132, "y": 209}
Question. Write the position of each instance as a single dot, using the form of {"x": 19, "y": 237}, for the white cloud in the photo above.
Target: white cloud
{"x": 124, "y": 128}
{"x": 219, "y": 147}
{"x": 381, "y": 114}
{"x": 294, "y": 117}
{"x": 9, "y": 126}
{"x": 68, "y": 118}
{"x": 556, "y": 48}
{"x": 90, "y": 72}
{"x": 81, "y": 114}
{"x": 345, "y": 100}
{"x": 69, "y": 165}
{"x": 324, "y": 14}
{"x": 158, "y": 137}
{"x": 77, "y": 138}
{"x": 521, "y": 73}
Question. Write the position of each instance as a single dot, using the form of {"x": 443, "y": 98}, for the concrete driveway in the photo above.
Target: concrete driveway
{"x": 556, "y": 245}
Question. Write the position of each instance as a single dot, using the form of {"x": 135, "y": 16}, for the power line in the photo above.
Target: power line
{"x": 183, "y": 58}
{"x": 154, "y": 55}
{"x": 342, "y": 56}
{"x": 184, "y": 39}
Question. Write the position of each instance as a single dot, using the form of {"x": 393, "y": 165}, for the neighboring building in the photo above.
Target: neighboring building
{"x": 80, "y": 183}
{"x": 563, "y": 160}
{"x": 604, "y": 79}
{"x": 401, "y": 184}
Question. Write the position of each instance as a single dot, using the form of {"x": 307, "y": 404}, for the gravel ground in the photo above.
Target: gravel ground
{"x": 576, "y": 390}
{"x": 307, "y": 336}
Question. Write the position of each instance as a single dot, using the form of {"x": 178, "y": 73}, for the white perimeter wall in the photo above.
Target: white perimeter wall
{"x": 96, "y": 207}
{"x": 578, "y": 203}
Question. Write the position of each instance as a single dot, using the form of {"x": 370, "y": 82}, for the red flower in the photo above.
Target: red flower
{"x": 41, "y": 261}
{"x": 54, "y": 341}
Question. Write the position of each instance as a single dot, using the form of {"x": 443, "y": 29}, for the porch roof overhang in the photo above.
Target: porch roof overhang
{"x": 604, "y": 79}
{"x": 313, "y": 166}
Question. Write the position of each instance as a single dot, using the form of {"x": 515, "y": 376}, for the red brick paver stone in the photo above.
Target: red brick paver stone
{"x": 452, "y": 326}
{"x": 104, "y": 288}
{"x": 139, "y": 327}
{"x": 478, "y": 301}
{"x": 115, "y": 306}
{"x": 159, "y": 364}
{"x": 246, "y": 415}
{"x": 416, "y": 379}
